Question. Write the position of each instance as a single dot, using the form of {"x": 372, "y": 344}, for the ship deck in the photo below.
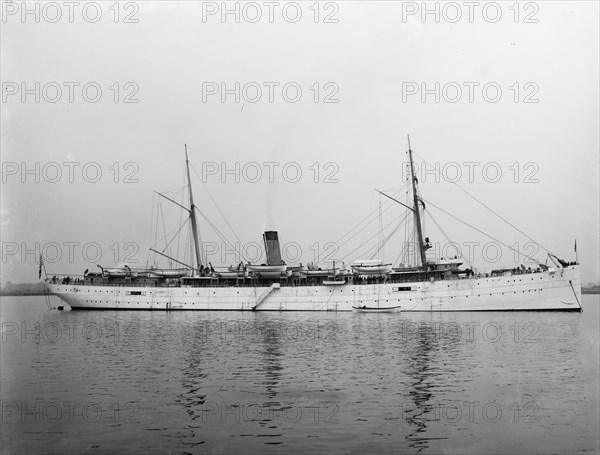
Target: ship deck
{"x": 293, "y": 281}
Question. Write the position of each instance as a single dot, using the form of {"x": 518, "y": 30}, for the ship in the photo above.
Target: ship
{"x": 426, "y": 286}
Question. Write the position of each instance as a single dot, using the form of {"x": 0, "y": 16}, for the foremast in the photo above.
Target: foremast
{"x": 416, "y": 210}
{"x": 193, "y": 214}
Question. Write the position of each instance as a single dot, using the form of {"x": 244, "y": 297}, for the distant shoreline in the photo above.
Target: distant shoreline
{"x": 590, "y": 290}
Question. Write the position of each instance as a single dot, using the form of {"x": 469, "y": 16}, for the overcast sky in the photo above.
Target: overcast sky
{"x": 517, "y": 92}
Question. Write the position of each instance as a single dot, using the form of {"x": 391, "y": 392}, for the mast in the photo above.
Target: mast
{"x": 416, "y": 210}
{"x": 193, "y": 213}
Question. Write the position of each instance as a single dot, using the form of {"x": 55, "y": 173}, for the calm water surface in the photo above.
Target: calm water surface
{"x": 219, "y": 382}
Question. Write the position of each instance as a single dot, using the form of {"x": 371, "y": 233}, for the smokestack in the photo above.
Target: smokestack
{"x": 272, "y": 248}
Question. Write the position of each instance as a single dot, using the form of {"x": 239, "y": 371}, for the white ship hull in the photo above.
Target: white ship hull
{"x": 559, "y": 290}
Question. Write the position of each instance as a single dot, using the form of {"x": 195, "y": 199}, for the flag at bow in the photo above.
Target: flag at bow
{"x": 41, "y": 265}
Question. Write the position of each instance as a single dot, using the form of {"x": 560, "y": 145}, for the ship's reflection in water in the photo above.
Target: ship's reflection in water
{"x": 192, "y": 382}
{"x": 193, "y": 375}
{"x": 425, "y": 350}
{"x": 225, "y": 360}
{"x": 419, "y": 351}
{"x": 269, "y": 336}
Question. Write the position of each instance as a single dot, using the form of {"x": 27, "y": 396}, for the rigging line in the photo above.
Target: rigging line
{"x": 216, "y": 205}
{"x": 396, "y": 189}
{"x": 487, "y": 235}
{"x": 403, "y": 251}
{"x": 385, "y": 240}
{"x": 406, "y": 226}
{"x": 179, "y": 237}
{"x": 175, "y": 235}
{"x": 575, "y": 293}
{"x": 176, "y": 189}
{"x": 339, "y": 243}
{"x": 369, "y": 239}
{"x": 202, "y": 258}
{"x": 167, "y": 235}
{"x": 188, "y": 253}
{"x": 156, "y": 226}
{"x": 162, "y": 216}
{"x": 187, "y": 256}
{"x": 221, "y": 235}
{"x": 411, "y": 238}
{"x": 354, "y": 235}
{"x": 400, "y": 254}
{"x": 165, "y": 238}
{"x": 411, "y": 241}
{"x": 151, "y": 219}
{"x": 361, "y": 221}
{"x": 401, "y": 203}
{"x": 422, "y": 209}
{"x": 402, "y": 222}
{"x": 402, "y": 248}
{"x": 180, "y": 215}
{"x": 498, "y": 215}
{"x": 173, "y": 195}
{"x": 191, "y": 245}
{"x": 380, "y": 236}
{"x": 448, "y": 238}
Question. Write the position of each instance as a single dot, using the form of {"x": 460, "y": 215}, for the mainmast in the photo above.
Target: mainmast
{"x": 193, "y": 214}
{"x": 416, "y": 210}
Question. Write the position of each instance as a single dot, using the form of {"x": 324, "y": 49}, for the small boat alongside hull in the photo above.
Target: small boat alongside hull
{"x": 366, "y": 309}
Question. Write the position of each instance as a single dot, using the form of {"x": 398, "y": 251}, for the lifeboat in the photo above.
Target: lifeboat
{"x": 117, "y": 272}
{"x": 171, "y": 273}
{"x": 371, "y": 267}
{"x": 269, "y": 271}
{"x": 232, "y": 272}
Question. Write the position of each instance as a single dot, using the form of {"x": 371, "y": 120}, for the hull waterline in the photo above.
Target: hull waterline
{"x": 544, "y": 291}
